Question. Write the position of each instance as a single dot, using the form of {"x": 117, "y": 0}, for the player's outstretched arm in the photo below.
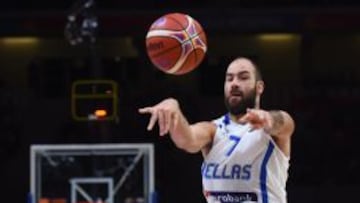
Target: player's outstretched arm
{"x": 279, "y": 124}
{"x": 276, "y": 122}
{"x": 167, "y": 114}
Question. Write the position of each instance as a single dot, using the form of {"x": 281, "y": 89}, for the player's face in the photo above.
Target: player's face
{"x": 240, "y": 86}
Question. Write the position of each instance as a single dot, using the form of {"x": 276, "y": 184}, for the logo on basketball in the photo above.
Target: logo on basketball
{"x": 155, "y": 46}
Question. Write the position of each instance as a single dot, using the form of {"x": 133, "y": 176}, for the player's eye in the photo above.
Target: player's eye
{"x": 229, "y": 78}
{"x": 244, "y": 76}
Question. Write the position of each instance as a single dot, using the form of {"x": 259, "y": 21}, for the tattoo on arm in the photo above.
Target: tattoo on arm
{"x": 277, "y": 122}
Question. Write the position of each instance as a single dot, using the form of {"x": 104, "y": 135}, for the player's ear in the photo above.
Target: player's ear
{"x": 260, "y": 86}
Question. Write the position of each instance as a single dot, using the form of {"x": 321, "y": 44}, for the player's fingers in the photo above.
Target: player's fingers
{"x": 145, "y": 110}
{"x": 268, "y": 123}
{"x": 261, "y": 116}
{"x": 161, "y": 121}
{"x": 152, "y": 121}
{"x": 256, "y": 125}
{"x": 168, "y": 118}
{"x": 252, "y": 113}
{"x": 174, "y": 120}
{"x": 248, "y": 117}
{"x": 244, "y": 118}
{"x": 256, "y": 115}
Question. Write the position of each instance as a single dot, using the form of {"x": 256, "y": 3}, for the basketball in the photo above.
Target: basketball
{"x": 176, "y": 43}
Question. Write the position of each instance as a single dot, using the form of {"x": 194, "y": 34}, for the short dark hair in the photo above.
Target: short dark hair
{"x": 258, "y": 75}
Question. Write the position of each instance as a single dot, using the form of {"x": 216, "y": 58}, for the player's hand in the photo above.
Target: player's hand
{"x": 258, "y": 119}
{"x": 164, "y": 113}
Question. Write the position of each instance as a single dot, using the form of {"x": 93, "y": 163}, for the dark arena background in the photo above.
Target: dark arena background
{"x": 308, "y": 51}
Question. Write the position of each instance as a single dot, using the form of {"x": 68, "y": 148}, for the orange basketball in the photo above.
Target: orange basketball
{"x": 176, "y": 43}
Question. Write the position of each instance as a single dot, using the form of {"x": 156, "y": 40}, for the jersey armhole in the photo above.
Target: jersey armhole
{"x": 282, "y": 154}
{"x": 205, "y": 151}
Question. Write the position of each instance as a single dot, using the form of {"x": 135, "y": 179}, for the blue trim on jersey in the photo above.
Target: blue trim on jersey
{"x": 263, "y": 172}
{"x": 226, "y": 119}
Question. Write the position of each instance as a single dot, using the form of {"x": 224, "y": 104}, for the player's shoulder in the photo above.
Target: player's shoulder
{"x": 222, "y": 120}
{"x": 211, "y": 126}
{"x": 206, "y": 126}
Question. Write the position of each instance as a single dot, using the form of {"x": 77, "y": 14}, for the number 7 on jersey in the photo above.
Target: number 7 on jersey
{"x": 236, "y": 141}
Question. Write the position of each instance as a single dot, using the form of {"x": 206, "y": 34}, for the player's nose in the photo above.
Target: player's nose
{"x": 235, "y": 84}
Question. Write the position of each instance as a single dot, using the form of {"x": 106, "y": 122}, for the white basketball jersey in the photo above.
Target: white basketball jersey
{"x": 244, "y": 165}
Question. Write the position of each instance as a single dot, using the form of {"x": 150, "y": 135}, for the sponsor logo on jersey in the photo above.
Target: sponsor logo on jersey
{"x": 231, "y": 197}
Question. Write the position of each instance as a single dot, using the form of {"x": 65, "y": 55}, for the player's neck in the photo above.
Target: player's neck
{"x": 236, "y": 118}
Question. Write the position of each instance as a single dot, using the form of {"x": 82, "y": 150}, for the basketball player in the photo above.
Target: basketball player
{"x": 246, "y": 151}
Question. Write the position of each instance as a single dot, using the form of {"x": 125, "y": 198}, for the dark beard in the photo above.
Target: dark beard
{"x": 243, "y": 105}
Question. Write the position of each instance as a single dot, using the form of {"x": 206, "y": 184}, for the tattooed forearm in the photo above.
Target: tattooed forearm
{"x": 277, "y": 122}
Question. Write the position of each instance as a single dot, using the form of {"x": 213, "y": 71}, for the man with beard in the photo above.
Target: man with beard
{"x": 246, "y": 151}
